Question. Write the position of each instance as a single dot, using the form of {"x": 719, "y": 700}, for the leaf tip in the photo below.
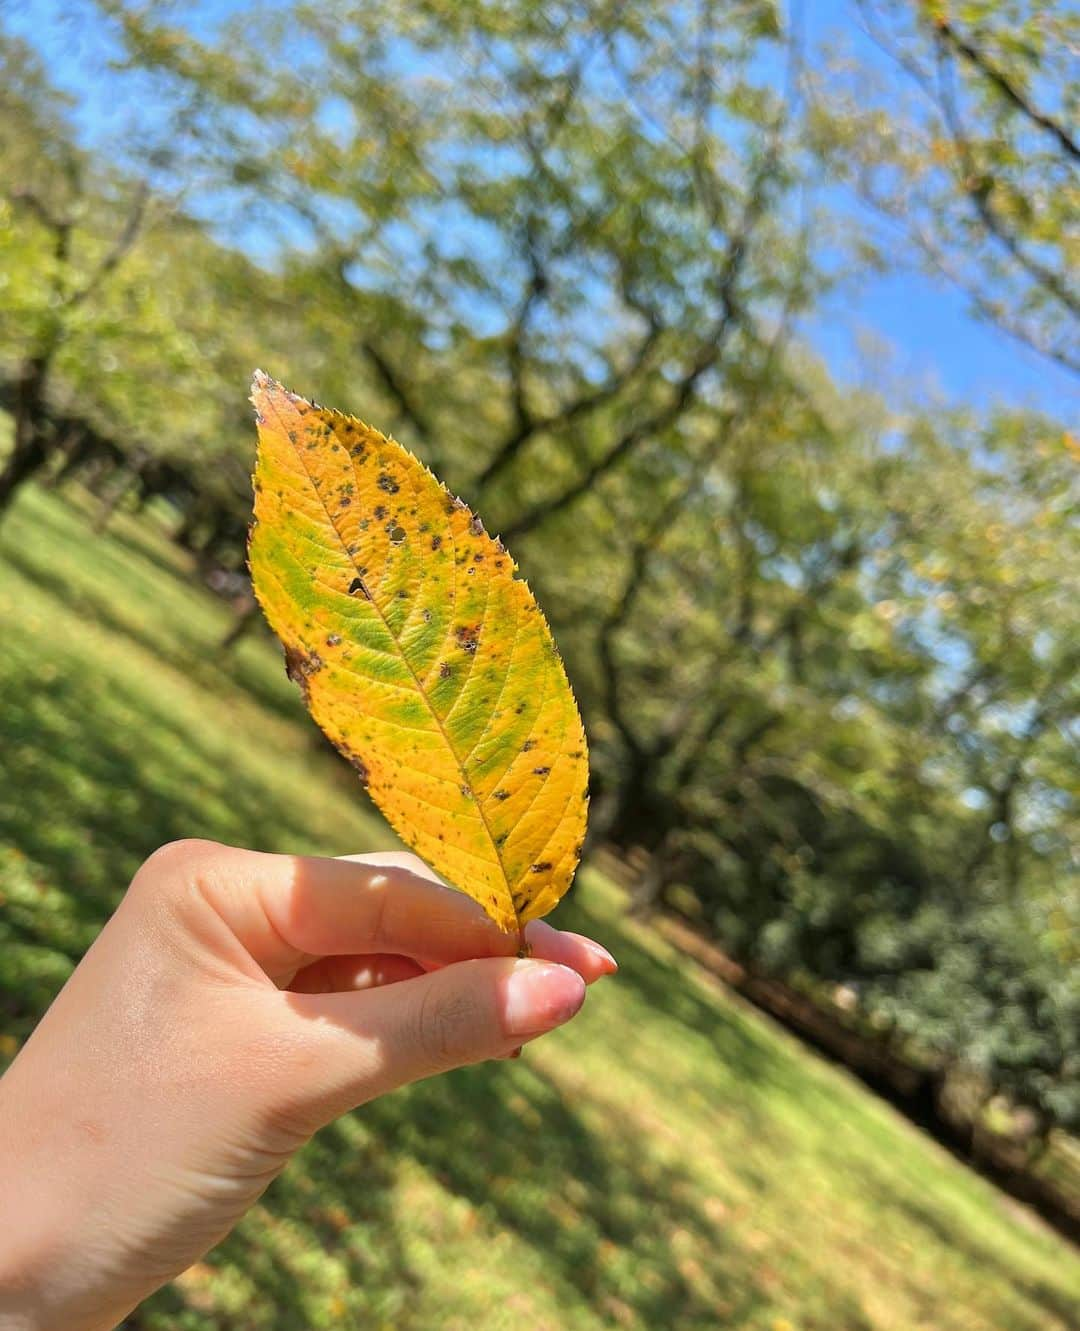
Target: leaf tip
{"x": 261, "y": 387}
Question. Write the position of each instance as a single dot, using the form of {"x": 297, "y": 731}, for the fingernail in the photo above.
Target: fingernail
{"x": 603, "y": 956}
{"x": 539, "y": 996}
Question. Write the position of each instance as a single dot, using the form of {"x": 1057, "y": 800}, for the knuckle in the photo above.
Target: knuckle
{"x": 176, "y": 880}
{"x": 178, "y": 859}
{"x": 449, "y": 1024}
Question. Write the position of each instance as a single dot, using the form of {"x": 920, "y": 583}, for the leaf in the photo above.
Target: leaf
{"x": 422, "y": 656}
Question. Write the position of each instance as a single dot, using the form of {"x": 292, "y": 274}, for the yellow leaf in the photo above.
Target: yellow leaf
{"x": 422, "y": 656}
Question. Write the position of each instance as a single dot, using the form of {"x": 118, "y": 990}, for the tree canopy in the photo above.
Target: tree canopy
{"x": 825, "y": 642}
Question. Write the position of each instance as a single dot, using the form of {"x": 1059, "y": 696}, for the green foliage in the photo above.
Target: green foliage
{"x": 751, "y": 1185}
{"x": 825, "y": 646}
{"x": 997, "y": 986}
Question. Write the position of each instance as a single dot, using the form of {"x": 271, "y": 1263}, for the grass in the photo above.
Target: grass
{"x": 670, "y": 1160}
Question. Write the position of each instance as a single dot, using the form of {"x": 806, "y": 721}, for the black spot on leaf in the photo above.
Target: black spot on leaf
{"x": 468, "y": 637}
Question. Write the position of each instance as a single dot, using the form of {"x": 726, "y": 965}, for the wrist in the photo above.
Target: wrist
{"x": 44, "y": 1243}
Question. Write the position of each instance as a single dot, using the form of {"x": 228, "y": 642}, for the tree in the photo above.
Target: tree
{"x": 981, "y": 167}
{"x": 125, "y": 327}
{"x": 64, "y": 239}
{"x": 824, "y": 646}
{"x": 585, "y": 249}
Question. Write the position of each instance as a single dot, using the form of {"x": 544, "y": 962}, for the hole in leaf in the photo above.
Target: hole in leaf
{"x": 397, "y": 534}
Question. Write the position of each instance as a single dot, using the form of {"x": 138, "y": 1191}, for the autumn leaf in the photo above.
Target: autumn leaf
{"x": 420, "y": 653}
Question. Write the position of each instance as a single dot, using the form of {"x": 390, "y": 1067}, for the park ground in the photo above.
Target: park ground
{"x": 670, "y": 1160}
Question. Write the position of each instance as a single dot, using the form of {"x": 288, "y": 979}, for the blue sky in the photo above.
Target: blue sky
{"x": 925, "y": 342}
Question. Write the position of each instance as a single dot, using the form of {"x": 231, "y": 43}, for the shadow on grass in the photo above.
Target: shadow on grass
{"x": 94, "y": 775}
{"x": 1054, "y": 1303}
{"x": 335, "y": 1203}
{"x": 617, "y": 1228}
{"x": 616, "y": 1231}
{"x": 742, "y": 1050}
{"x": 199, "y": 656}
{"x": 142, "y": 538}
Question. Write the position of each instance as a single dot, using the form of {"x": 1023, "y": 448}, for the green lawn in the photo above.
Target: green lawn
{"x": 670, "y": 1160}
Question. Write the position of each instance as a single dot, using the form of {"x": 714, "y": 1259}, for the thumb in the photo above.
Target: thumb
{"x": 374, "y": 1040}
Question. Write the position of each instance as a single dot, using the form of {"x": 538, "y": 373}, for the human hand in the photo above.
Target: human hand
{"x": 234, "y": 1004}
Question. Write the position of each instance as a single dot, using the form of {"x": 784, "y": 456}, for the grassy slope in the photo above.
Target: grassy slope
{"x": 668, "y": 1161}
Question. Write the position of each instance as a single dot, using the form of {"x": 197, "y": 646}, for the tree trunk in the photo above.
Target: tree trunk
{"x": 193, "y": 520}
{"x": 647, "y": 889}
{"x": 26, "y": 460}
{"x": 68, "y": 453}
{"x": 245, "y": 611}
{"x": 30, "y": 451}
{"x": 637, "y": 815}
{"x": 110, "y": 501}
{"x": 127, "y": 476}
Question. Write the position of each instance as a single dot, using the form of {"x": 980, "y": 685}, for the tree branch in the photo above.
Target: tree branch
{"x": 525, "y": 425}
{"x": 978, "y": 188}
{"x": 708, "y": 355}
{"x": 788, "y": 624}
{"x": 396, "y": 387}
{"x": 1001, "y": 811}
{"x": 37, "y": 205}
{"x": 978, "y": 60}
{"x": 1008, "y": 324}
{"x": 535, "y": 290}
{"x": 651, "y": 540}
{"x": 120, "y": 247}
{"x": 581, "y": 406}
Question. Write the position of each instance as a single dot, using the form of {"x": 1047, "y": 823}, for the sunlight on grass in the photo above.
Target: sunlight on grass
{"x": 670, "y": 1160}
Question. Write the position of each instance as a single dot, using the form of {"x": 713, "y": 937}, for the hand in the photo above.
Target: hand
{"x": 234, "y": 1004}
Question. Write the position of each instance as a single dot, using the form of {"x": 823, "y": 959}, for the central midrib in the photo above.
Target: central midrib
{"x": 401, "y": 651}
